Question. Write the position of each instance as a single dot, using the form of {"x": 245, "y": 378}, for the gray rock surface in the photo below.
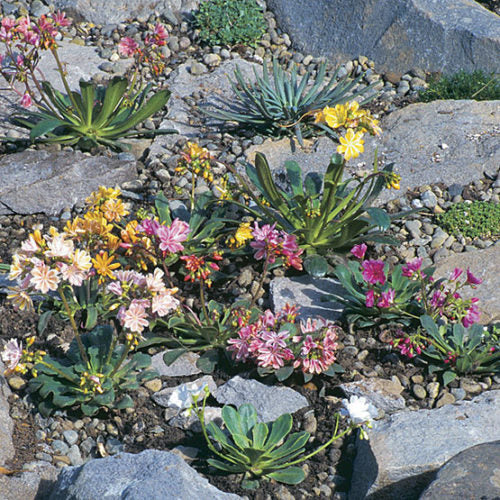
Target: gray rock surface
{"x": 152, "y": 474}
{"x": 5, "y": 283}
{"x": 473, "y": 473}
{"x": 182, "y": 392}
{"x": 383, "y": 394}
{"x": 6, "y": 425}
{"x": 483, "y": 264}
{"x": 115, "y": 11}
{"x": 405, "y": 449}
{"x": 48, "y": 182}
{"x": 35, "y": 482}
{"x": 183, "y": 366}
{"x": 413, "y": 139}
{"x": 397, "y": 34}
{"x": 306, "y": 292}
{"x": 183, "y": 83}
{"x": 269, "y": 401}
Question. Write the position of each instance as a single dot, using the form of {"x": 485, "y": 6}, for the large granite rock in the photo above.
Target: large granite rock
{"x": 48, "y": 182}
{"x": 34, "y": 483}
{"x": 270, "y": 402}
{"x": 397, "y": 34}
{"x": 306, "y": 292}
{"x": 7, "y": 451}
{"x": 152, "y": 474}
{"x": 115, "y": 11}
{"x": 473, "y": 473}
{"x": 484, "y": 264}
{"x": 182, "y": 83}
{"x": 406, "y": 449}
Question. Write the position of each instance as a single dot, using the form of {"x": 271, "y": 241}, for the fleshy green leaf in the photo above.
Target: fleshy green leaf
{"x": 291, "y": 475}
{"x": 316, "y": 265}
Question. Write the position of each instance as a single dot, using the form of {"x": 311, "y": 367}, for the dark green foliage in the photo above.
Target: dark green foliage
{"x": 285, "y": 104}
{"x": 95, "y": 115}
{"x": 229, "y": 22}
{"x": 456, "y": 350}
{"x": 60, "y": 385}
{"x": 479, "y": 219}
{"x": 478, "y": 85}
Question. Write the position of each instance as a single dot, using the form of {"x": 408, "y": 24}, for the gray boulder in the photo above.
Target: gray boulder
{"x": 116, "y": 11}
{"x": 48, "y": 182}
{"x": 7, "y": 450}
{"x": 473, "y": 473}
{"x": 35, "y": 482}
{"x": 183, "y": 366}
{"x": 269, "y": 401}
{"x": 152, "y": 474}
{"x": 397, "y": 34}
{"x": 440, "y": 141}
{"x": 306, "y": 292}
{"x": 406, "y": 449}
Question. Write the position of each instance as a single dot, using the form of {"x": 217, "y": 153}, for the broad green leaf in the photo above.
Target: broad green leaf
{"x": 225, "y": 466}
{"x": 44, "y": 127}
{"x": 125, "y": 402}
{"x": 448, "y": 376}
{"x": 316, "y": 265}
{"x": 113, "y": 96}
{"x": 295, "y": 177}
{"x": 279, "y": 430}
{"x": 87, "y": 90}
{"x": 379, "y": 218}
{"x": 43, "y": 320}
{"x": 284, "y": 372}
{"x": 259, "y": 435}
{"x": 248, "y": 417}
{"x": 291, "y": 475}
{"x": 208, "y": 361}
{"x": 172, "y": 355}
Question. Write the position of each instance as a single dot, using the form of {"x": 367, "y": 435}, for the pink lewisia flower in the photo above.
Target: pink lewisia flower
{"x": 472, "y": 280}
{"x": 386, "y": 299}
{"x": 26, "y": 101}
{"x": 12, "y": 353}
{"x": 473, "y": 316}
{"x": 160, "y": 34}
{"x": 456, "y": 273}
{"x": 134, "y": 318}
{"x": 115, "y": 287}
{"x": 60, "y": 19}
{"x": 370, "y": 298}
{"x": 359, "y": 250}
{"x": 154, "y": 281}
{"x": 373, "y": 271}
{"x": 273, "y": 357}
{"x": 148, "y": 226}
{"x": 265, "y": 241}
{"x": 127, "y": 46}
{"x": 412, "y": 267}
{"x": 172, "y": 236}
{"x": 73, "y": 275}
{"x": 164, "y": 303}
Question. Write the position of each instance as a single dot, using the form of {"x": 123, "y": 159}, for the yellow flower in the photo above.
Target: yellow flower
{"x": 392, "y": 181}
{"x": 104, "y": 265}
{"x": 194, "y": 150}
{"x": 113, "y": 210}
{"x": 102, "y": 195}
{"x": 333, "y": 117}
{"x": 351, "y": 145}
{"x": 243, "y": 233}
{"x": 21, "y": 299}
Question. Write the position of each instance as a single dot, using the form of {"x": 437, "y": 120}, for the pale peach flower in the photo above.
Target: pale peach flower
{"x": 59, "y": 247}
{"x": 44, "y": 279}
{"x": 81, "y": 259}
{"x": 134, "y": 318}
{"x": 20, "y": 299}
{"x": 164, "y": 303}
{"x": 154, "y": 282}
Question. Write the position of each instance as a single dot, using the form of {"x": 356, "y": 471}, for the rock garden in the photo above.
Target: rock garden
{"x": 249, "y": 249}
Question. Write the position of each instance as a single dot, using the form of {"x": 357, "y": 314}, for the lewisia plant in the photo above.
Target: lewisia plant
{"x": 275, "y": 342}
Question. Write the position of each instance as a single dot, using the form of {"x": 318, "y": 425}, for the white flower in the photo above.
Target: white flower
{"x": 183, "y": 395}
{"x": 359, "y": 410}
{"x": 12, "y": 353}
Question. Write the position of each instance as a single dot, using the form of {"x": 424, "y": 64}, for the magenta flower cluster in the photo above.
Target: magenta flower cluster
{"x": 274, "y": 341}
{"x": 270, "y": 244}
{"x": 437, "y": 298}
{"x": 168, "y": 238}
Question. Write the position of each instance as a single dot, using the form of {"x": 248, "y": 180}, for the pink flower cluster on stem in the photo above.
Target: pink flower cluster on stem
{"x": 270, "y": 343}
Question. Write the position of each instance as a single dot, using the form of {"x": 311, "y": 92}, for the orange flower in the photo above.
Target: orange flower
{"x": 104, "y": 265}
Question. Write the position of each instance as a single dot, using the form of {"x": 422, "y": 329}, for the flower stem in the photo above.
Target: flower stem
{"x": 81, "y": 347}
{"x": 59, "y": 372}
{"x": 122, "y": 359}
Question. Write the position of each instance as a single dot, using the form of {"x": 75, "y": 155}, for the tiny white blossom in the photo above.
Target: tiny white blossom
{"x": 359, "y": 410}
{"x": 182, "y": 397}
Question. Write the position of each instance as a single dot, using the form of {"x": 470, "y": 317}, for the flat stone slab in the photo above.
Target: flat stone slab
{"x": 383, "y": 394}
{"x": 397, "y": 34}
{"x": 182, "y": 83}
{"x": 7, "y": 450}
{"x": 406, "y": 449}
{"x": 473, "y": 473}
{"x": 115, "y": 11}
{"x": 270, "y": 402}
{"x": 152, "y": 474}
{"x": 48, "y": 182}
{"x": 306, "y": 292}
{"x": 183, "y": 366}
{"x": 484, "y": 264}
